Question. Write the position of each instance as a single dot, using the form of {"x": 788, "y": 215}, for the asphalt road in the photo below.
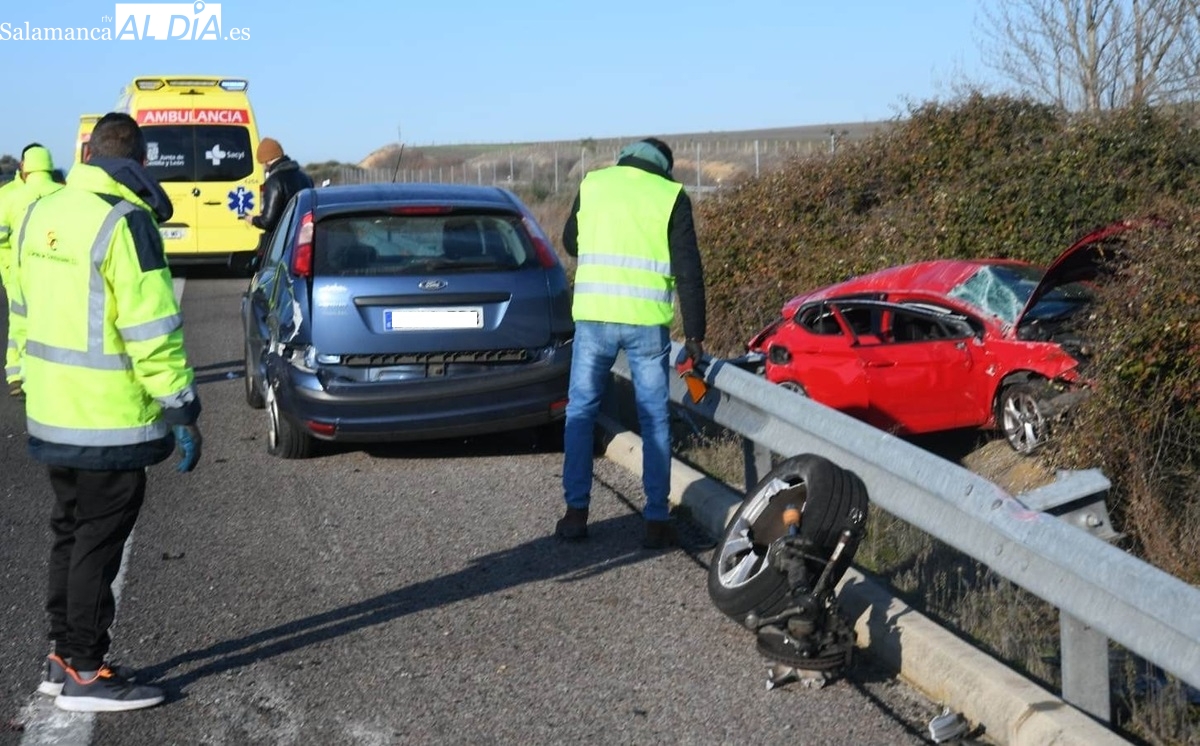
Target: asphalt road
{"x": 402, "y": 594}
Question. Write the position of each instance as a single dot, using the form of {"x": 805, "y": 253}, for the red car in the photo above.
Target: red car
{"x": 944, "y": 344}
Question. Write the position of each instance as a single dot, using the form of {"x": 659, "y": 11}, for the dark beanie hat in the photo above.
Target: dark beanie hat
{"x": 663, "y": 148}
{"x": 650, "y": 150}
{"x": 268, "y": 150}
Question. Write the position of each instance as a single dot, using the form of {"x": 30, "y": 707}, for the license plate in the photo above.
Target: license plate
{"x": 420, "y": 319}
{"x": 172, "y": 234}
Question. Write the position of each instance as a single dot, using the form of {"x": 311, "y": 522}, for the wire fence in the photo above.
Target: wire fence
{"x": 546, "y": 168}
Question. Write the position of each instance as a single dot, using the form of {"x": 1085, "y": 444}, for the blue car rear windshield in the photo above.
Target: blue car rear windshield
{"x": 418, "y": 244}
{"x": 1003, "y": 291}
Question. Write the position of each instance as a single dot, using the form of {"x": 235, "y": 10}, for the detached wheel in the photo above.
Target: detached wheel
{"x": 284, "y": 438}
{"x": 1022, "y": 415}
{"x": 740, "y": 580}
{"x": 254, "y": 394}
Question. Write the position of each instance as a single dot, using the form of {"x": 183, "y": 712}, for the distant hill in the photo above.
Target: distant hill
{"x": 814, "y": 135}
{"x": 702, "y": 159}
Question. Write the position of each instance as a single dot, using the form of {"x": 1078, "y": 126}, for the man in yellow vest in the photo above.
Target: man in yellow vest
{"x": 8, "y": 194}
{"x": 35, "y": 181}
{"x": 109, "y": 392}
{"x": 631, "y": 228}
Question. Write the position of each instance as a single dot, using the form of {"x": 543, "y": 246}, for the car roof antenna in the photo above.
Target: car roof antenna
{"x": 399, "y": 156}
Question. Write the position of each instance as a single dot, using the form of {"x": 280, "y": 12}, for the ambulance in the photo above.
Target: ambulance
{"x": 87, "y": 122}
{"x": 200, "y": 141}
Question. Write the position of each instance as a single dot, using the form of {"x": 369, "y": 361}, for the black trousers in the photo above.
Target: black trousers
{"x": 94, "y": 513}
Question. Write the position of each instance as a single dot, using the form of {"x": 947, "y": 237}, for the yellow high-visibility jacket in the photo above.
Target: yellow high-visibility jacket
{"x": 106, "y": 373}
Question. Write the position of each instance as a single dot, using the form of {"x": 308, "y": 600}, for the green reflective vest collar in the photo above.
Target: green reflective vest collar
{"x": 624, "y": 270}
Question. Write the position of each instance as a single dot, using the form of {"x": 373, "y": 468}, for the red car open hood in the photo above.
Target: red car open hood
{"x": 1082, "y": 261}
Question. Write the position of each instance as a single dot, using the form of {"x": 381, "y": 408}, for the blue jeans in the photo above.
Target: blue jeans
{"x": 595, "y": 350}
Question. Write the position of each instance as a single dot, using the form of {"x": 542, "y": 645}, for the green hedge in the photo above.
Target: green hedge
{"x": 1007, "y": 177}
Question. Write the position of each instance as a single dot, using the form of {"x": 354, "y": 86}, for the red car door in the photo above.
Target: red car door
{"x": 920, "y": 379}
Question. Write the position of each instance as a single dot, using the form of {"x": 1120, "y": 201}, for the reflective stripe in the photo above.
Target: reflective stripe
{"x": 625, "y": 291}
{"x": 12, "y": 370}
{"x": 123, "y": 436}
{"x": 12, "y": 344}
{"x": 96, "y": 294}
{"x": 152, "y": 329}
{"x": 180, "y": 398}
{"x": 17, "y": 309}
{"x": 24, "y": 225}
{"x": 77, "y": 358}
{"x": 624, "y": 262}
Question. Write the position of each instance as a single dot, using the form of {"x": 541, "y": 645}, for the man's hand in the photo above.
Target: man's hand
{"x": 249, "y": 219}
{"x": 695, "y": 350}
{"x": 187, "y": 443}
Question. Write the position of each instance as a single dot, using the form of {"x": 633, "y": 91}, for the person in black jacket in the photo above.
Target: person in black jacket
{"x": 284, "y": 179}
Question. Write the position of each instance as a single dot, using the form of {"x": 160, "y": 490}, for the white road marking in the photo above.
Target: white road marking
{"x": 46, "y": 725}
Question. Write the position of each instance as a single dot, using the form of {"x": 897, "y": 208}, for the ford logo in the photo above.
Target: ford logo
{"x": 433, "y": 284}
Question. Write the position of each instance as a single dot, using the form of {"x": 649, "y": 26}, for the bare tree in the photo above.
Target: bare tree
{"x": 1088, "y": 55}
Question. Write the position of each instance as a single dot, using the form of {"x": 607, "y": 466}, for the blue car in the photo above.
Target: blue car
{"x": 389, "y": 312}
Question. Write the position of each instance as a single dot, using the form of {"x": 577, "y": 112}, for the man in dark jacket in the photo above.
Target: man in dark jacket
{"x": 284, "y": 179}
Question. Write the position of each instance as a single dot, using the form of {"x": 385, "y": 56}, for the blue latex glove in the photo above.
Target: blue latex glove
{"x": 187, "y": 442}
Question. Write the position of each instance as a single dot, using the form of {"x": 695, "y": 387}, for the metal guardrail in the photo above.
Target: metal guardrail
{"x": 1102, "y": 593}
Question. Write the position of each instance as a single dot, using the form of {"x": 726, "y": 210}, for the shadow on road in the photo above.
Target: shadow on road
{"x": 542, "y": 559}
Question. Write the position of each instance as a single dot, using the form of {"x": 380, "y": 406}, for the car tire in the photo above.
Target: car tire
{"x": 285, "y": 439}
{"x": 741, "y": 581}
{"x": 254, "y": 393}
{"x": 795, "y": 386}
{"x": 1021, "y": 414}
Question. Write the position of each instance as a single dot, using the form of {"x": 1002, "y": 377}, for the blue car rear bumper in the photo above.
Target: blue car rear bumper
{"x": 423, "y": 409}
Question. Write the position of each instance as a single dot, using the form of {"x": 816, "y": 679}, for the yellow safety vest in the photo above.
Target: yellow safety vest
{"x": 8, "y": 194}
{"x": 624, "y": 270}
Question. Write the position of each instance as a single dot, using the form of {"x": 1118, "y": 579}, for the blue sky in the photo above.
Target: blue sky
{"x": 335, "y": 80}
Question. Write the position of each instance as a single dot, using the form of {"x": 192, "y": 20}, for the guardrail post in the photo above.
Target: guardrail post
{"x": 757, "y": 462}
{"x": 1085, "y": 679}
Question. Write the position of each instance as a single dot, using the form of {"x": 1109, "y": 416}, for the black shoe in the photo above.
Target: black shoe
{"x": 573, "y": 525}
{"x": 56, "y": 675}
{"x": 659, "y": 535}
{"x": 104, "y": 691}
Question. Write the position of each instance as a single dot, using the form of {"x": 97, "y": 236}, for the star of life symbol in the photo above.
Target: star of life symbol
{"x": 215, "y": 154}
{"x": 241, "y": 201}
